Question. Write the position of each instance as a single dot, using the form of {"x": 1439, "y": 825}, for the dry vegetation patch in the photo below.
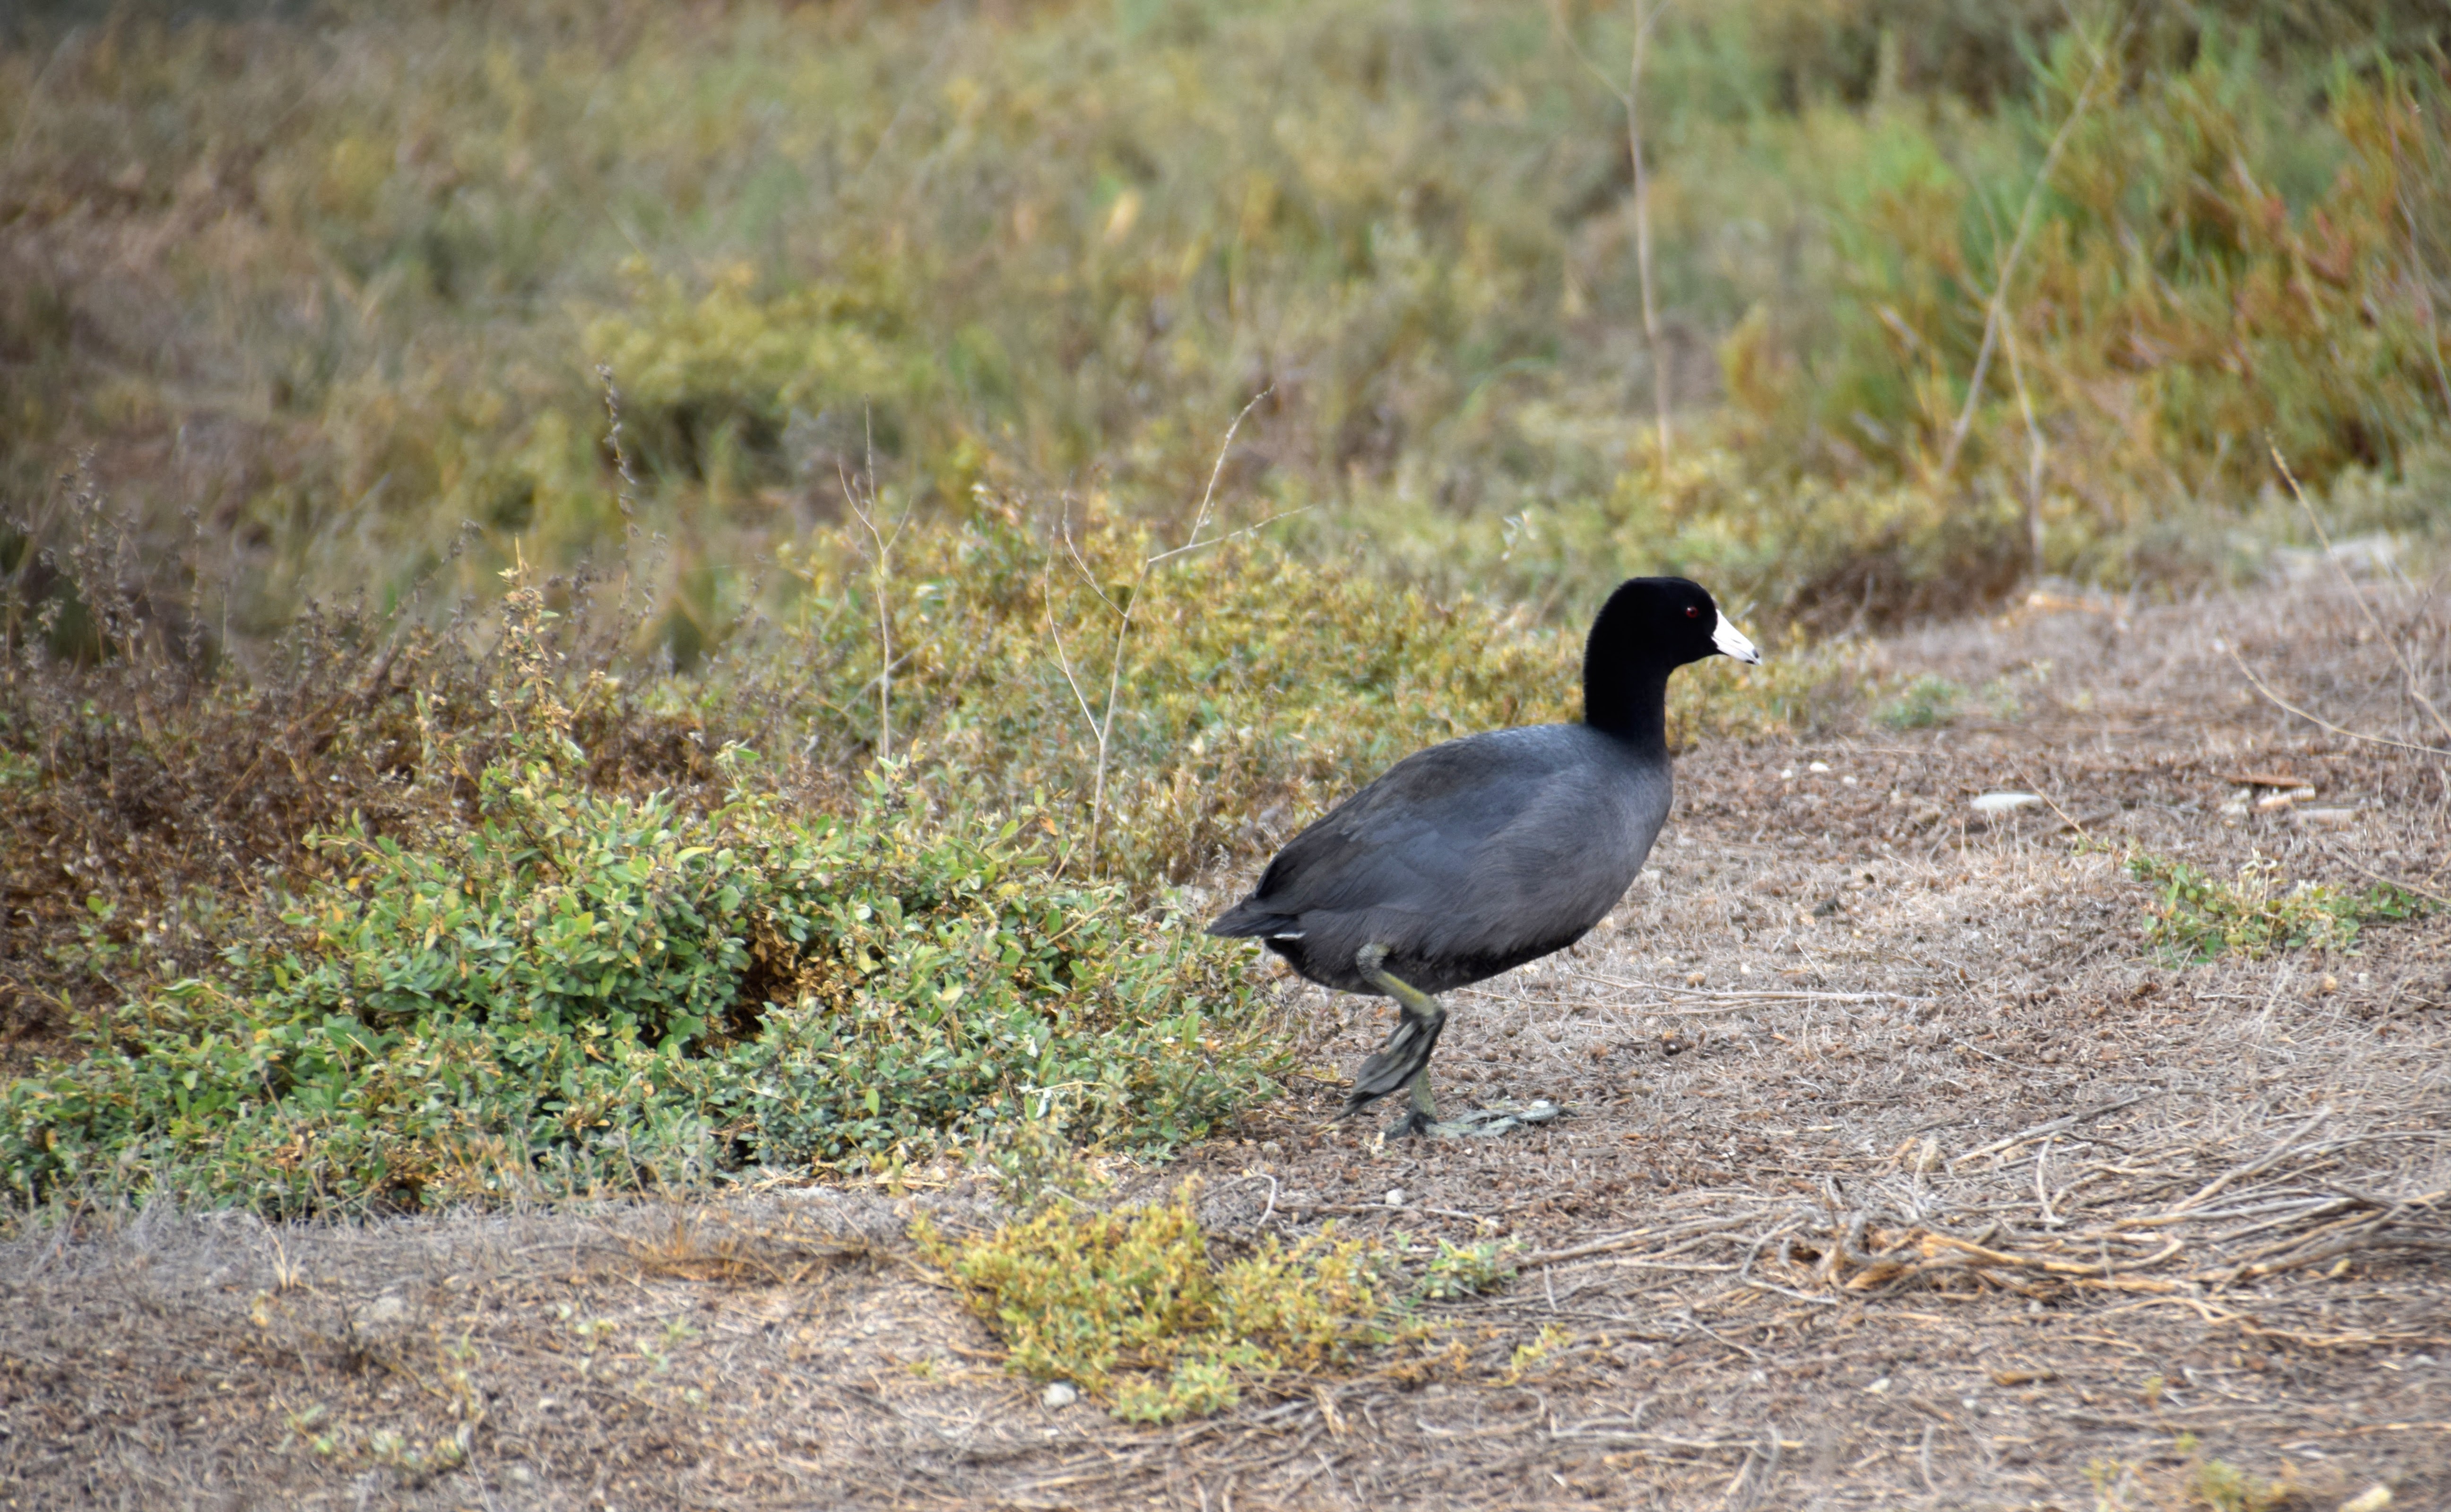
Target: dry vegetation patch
{"x": 1948, "y": 292}
{"x": 1900, "y": 1172}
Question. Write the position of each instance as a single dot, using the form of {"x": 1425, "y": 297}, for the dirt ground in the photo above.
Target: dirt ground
{"x": 1899, "y": 1174}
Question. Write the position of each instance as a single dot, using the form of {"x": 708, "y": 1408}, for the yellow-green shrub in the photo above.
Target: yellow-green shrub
{"x": 1256, "y": 687}
{"x": 1130, "y": 1305}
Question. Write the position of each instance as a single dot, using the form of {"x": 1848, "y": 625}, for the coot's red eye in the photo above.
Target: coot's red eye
{"x": 1692, "y": 612}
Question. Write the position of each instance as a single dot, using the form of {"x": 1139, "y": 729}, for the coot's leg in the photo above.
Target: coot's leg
{"x": 1424, "y": 1114}
{"x": 1405, "y": 1058}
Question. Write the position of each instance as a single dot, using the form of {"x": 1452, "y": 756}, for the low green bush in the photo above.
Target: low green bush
{"x": 1255, "y": 686}
{"x": 495, "y": 922}
{"x": 2197, "y": 917}
{"x": 1130, "y": 1305}
{"x": 583, "y": 991}
{"x": 1926, "y": 701}
{"x": 1463, "y": 1270}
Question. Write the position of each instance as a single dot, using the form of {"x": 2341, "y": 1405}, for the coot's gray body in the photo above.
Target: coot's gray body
{"x": 1475, "y": 856}
{"x": 1465, "y": 860}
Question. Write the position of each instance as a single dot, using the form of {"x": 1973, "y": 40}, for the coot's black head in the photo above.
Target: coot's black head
{"x": 1650, "y": 627}
{"x": 1665, "y": 622}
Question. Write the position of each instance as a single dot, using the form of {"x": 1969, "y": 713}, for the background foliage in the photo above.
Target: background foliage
{"x": 325, "y": 287}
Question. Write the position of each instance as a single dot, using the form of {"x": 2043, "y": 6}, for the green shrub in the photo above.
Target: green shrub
{"x": 1463, "y": 1270}
{"x": 1129, "y": 1306}
{"x": 2190, "y": 277}
{"x": 2201, "y": 918}
{"x": 1927, "y": 701}
{"x": 586, "y": 991}
{"x": 536, "y": 940}
{"x": 1256, "y": 687}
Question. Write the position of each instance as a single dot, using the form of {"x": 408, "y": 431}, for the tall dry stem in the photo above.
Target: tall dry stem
{"x": 862, "y": 497}
{"x": 2036, "y": 454}
{"x": 2006, "y": 269}
{"x": 2409, "y": 678}
{"x": 627, "y": 495}
{"x": 1102, "y": 724}
{"x": 1645, "y": 16}
{"x": 1629, "y": 95}
{"x": 2424, "y": 278}
{"x": 1064, "y": 657}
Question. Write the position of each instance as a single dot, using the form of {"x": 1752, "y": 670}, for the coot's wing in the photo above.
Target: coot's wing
{"x": 1406, "y": 837}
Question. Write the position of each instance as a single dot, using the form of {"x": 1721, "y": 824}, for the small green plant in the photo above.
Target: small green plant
{"x": 1537, "y": 1355}
{"x": 1927, "y": 701}
{"x": 2223, "y": 1487}
{"x": 1463, "y": 1270}
{"x": 1130, "y": 1305}
{"x": 394, "y": 1450}
{"x": 2198, "y": 917}
{"x": 2000, "y": 700}
{"x": 1036, "y": 1166}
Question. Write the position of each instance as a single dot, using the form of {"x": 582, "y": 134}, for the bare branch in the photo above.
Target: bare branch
{"x": 2008, "y": 267}
{"x": 1213, "y": 541}
{"x": 1063, "y": 661}
{"x": 1206, "y": 495}
{"x": 2286, "y": 707}
{"x": 2408, "y": 674}
{"x": 1565, "y": 34}
{"x": 864, "y": 507}
{"x": 1644, "y": 17}
{"x": 1105, "y": 724}
{"x": 1086, "y": 576}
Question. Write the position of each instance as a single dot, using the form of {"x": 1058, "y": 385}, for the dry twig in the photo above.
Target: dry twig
{"x": 2008, "y": 267}
{"x": 2398, "y": 654}
{"x": 1102, "y": 725}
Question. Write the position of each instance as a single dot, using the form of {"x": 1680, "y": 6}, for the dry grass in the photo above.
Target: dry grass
{"x": 322, "y": 285}
{"x": 1897, "y": 1176}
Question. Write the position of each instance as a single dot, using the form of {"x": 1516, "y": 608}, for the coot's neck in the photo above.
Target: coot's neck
{"x": 1629, "y": 703}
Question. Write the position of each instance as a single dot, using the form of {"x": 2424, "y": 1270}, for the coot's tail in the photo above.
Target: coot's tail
{"x": 1253, "y": 919}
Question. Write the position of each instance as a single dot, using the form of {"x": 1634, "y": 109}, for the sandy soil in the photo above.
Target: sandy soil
{"x": 1899, "y": 1172}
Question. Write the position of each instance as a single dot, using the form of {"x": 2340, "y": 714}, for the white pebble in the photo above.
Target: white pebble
{"x": 1059, "y": 1394}
{"x": 2004, "y": 803}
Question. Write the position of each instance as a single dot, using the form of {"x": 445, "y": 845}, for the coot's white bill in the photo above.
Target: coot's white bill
{"x": 1731, "y": 642}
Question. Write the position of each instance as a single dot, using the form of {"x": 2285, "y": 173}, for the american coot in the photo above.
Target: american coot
{"x": 1474, "y": 856}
